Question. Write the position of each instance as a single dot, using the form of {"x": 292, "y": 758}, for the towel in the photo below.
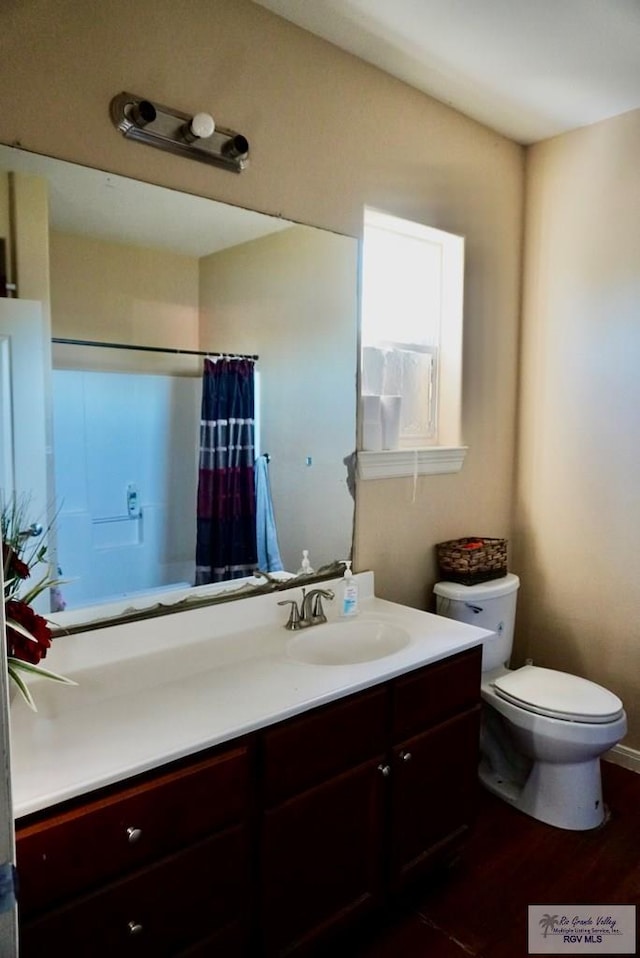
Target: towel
{"x": 266, "y": 536}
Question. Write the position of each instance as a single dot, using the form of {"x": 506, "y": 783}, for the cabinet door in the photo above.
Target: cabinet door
{"x": 321, "y": 855}
{"x": 433, "y": 793}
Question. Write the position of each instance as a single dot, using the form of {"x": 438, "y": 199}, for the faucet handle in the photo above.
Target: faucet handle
{"x": 293, "y": 622}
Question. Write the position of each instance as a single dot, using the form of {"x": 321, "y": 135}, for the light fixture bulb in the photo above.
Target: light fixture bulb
{"x": 202, "y": 126}
{"x": 237, "y": 146}
{"x": 143, "y": 112}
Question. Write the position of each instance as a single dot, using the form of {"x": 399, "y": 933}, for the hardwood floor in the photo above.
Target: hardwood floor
{"x": 480, "y": 907}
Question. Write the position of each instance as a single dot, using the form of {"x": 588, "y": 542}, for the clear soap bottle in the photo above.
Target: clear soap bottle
{"x": 349, "y": 604}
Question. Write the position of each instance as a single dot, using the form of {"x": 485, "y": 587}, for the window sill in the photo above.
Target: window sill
{"x": 396, "y": 463}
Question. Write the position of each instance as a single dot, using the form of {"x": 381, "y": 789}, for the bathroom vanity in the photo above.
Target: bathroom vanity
{"x": 267, "y": 834}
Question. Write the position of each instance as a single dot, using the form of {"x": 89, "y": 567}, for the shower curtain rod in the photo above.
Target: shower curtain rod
{"x": 153, "y": 349}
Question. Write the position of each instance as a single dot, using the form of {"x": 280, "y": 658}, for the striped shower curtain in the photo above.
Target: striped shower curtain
{"x": 226, "y": 521}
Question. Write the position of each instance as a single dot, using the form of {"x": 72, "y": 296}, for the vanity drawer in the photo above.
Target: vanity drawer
{"x": 433, "y": 694}
{"x": 80, "y": 848}
{"x": 157, "y": 912}
{"x": 304, "y": 751}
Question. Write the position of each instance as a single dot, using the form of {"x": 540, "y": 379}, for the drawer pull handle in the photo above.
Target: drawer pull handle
{"x": 133, "y": 835}
{"x": 385, "y": 770}
{"x": 406, "y": 756}
{"x": 135, "y": 928}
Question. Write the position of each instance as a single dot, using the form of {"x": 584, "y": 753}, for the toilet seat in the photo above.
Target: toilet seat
{"x": 558, "y": 695}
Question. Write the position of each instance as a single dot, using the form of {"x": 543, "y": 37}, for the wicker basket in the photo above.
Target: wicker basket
{"x": 472, "y": 560}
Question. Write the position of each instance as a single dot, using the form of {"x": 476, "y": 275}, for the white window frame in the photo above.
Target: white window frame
{"x": 443, "y": 452}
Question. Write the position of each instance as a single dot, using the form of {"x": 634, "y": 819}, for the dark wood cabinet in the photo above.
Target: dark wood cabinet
{"x": 320, "y": 860}
{"x": 320, "y": 836}
{"x": 309, "y": 749}
{"x": 346, "y": 836}
{"x": 145, "y": 870}
{"x": 232, "y": 941}
{"x": 435, "y": 731}
{"x": 155, "y": 912}
{"x": 268, "y": 846}
{"x": 433, "y": 795}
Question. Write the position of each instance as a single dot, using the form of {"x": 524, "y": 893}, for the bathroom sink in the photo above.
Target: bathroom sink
{"x": 348, "y": 642}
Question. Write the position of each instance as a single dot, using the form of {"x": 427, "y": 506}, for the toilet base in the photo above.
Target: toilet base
{"x": 567, "y": 796}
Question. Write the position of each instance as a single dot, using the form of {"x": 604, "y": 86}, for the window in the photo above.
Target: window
{"x": 411, "y": 365}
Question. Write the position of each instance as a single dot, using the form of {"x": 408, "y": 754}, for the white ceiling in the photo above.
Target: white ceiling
{"x": 118, "y": 209}
{"x": 527, "y": 68}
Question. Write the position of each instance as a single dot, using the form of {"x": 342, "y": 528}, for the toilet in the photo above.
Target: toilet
{"x": 543, "y": 731}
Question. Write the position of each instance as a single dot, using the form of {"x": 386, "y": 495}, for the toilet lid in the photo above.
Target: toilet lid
{"x": 558, "y": 695}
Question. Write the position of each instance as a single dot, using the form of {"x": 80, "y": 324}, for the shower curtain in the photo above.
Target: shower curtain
{"x": 226, "y": 521}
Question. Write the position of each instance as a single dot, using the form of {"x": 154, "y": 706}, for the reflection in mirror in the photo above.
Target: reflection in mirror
{"x": 137, "y": 265}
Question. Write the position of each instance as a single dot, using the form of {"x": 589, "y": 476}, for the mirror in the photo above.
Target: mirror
{"x": 138, "y": 265}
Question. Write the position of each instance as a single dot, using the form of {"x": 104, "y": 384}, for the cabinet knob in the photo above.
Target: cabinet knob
{"x": 135, "y": 928}
{"x": 133, "y": 834}
{"x": 385, "y": 770}
{"x": 406, "y": 756}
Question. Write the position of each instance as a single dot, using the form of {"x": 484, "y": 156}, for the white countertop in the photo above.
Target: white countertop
{"x": 158, "y": 690}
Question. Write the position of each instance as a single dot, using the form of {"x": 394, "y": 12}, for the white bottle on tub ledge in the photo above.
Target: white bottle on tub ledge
{"x": 305, "y": 565}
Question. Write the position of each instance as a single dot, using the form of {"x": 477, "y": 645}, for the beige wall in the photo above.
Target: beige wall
{"x": 291, "y": 297}
{"x": 328, "y": 134}
{"x": 122, "y": 294}
{"x": 26, "y": 220}
{"x": 578, "y": 507}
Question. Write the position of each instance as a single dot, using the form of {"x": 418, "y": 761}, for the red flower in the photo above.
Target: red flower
{"x": 20, "y": 647}
{"x": 13, "y": 566}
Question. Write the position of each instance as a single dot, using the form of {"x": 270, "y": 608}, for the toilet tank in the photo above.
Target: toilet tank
{"x": 489, "y": 605}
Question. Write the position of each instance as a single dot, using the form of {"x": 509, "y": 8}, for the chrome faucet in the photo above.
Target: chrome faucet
{"x": 310, "y": 611}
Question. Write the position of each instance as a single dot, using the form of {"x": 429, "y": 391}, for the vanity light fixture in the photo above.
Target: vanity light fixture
{"x": 197, "y": 136}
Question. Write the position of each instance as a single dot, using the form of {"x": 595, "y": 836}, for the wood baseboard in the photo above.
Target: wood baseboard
{"x": 625, "y": 756}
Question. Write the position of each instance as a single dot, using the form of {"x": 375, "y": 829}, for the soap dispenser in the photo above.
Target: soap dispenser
{"x": 349, "y": 604}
